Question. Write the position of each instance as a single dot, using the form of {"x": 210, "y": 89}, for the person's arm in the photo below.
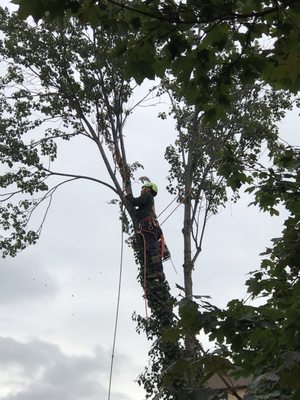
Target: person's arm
{"x": 139, "y": 201}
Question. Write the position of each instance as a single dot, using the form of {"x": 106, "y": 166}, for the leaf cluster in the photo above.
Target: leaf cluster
{"x": 56, "y": 85}
{"x": 204, "y": 43}
{"x": 263, "y": 339}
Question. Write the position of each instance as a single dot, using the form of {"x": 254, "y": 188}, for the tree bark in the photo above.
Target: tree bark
{"x": 187, "y": 264}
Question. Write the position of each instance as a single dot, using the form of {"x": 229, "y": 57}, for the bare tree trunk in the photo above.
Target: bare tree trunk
{"x": 187, "y": 240}
{"x": 187, "y": 264}
{"x": 187, "y": 221}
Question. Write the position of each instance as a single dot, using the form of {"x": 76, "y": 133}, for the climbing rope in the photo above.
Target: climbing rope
{"x": 170, "y": 214}
{"x": 173, "y": 265}
{"x": 175, "y": 198}
{"x": 185, "y": 197}
{"x": 182, "y": 201}
{"x": 117, "y": 309}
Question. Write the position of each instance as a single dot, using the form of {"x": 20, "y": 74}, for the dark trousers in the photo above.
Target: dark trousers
{"x": 152, "y": 235}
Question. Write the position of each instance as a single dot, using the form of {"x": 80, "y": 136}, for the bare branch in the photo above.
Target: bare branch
{"x": 81, "y": 177}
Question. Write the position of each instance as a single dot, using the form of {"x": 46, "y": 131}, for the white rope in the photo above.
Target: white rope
{"x": 117, "y": 310}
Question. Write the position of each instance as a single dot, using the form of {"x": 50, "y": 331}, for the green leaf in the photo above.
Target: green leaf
{"x": 290, "y": 379}
{"x": 136, "y": 22}
{"x": 225, "y": 169}
{"x": 140, "y": 62}
{"x": 190, "y": 316}
{"x": 30, "y": 7}
{"x": 182, "y": 67}
{"x": 294, "y": 206}
{"x": 283, "y": 71}
{"x": 266, "y": 263}
{"x": 217, "y": 36}
{"x": 171, "y": 335}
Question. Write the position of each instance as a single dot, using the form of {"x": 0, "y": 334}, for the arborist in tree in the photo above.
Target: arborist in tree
{"x": 150, "y": 230}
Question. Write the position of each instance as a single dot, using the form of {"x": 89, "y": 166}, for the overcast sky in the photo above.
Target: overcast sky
{"x": 58, "y": 298}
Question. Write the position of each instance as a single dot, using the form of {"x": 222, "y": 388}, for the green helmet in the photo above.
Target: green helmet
{"x": 152, "y": 186}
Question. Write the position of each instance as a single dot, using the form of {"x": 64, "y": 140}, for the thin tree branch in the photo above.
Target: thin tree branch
{"x": 75, "y": 176}
{"x": 199, "y": 246}
{"x": 226, "y": 17}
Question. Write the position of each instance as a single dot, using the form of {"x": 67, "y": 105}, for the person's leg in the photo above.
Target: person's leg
{"x": 155, "y": 267}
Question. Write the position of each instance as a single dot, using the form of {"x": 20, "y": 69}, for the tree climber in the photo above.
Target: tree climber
{"x": 150, "y": 230}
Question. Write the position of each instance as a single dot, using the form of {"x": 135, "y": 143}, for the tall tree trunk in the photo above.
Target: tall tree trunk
{"x": 187, "y": 264}
{"x": 187, "y": 240}
{"x": 187, "y": 224}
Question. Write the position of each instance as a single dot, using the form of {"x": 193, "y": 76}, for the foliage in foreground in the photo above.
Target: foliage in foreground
{"x": 203, "y": 43}
{"x": 261, "y": 341}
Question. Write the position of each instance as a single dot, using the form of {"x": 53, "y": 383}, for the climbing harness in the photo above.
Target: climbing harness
{"x": 151, "y": 226}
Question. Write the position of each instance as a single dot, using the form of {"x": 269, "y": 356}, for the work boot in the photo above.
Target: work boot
{"x": 166, "y": 255}
{"x": 157, "y": 275}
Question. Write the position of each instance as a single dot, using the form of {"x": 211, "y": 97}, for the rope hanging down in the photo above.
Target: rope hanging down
{"x": 117, "y": 310}
{"x": 120, "y": 283}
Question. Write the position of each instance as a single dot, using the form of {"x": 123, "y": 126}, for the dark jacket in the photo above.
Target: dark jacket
{"x": 145, "y": 204}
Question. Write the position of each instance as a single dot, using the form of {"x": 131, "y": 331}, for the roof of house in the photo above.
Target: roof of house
{"x": 215, "y": 382}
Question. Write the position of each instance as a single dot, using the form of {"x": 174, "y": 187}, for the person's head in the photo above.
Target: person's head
{"x": 150, "y": 186}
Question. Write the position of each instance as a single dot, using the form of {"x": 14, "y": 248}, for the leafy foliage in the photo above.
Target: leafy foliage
{"x": 262, "y": 341}
{"x": 211, "y": 162}
{"x": 230, "y": 147}
{"x": 57, "y": 86}
{"x": 204, "y": 44}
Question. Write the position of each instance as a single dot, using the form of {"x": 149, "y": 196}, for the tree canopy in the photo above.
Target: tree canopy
{"x": 203, "y": 43}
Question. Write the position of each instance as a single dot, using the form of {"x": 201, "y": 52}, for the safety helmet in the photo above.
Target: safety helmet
{"x": 152, "y": 186}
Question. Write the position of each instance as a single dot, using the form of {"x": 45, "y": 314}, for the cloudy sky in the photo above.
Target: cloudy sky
{"x": 58, "y": 298}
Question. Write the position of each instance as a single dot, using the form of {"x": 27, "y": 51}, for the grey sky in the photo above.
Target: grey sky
{"x": 21, "y": 282}
{"x": 42, "y": 371}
